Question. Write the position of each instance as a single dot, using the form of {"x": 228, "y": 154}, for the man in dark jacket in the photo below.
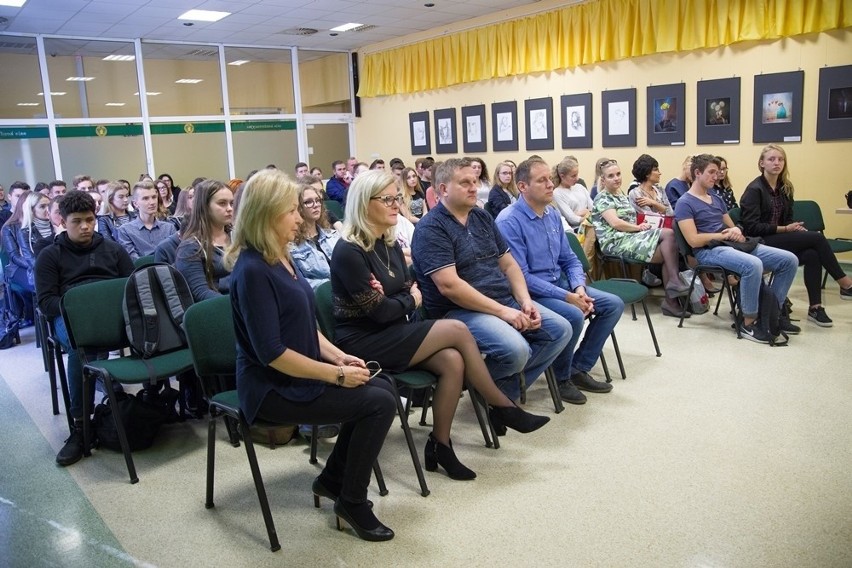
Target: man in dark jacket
{"x": 77, "y": 256}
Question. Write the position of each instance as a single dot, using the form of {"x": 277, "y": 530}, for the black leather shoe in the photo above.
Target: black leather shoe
{"x": 72, "y": 451}
{"x": 570, "y": 393}
{"x": 359, "y": 517}
{"x": 517, "y": 419}
{"x": 584, "y": 381}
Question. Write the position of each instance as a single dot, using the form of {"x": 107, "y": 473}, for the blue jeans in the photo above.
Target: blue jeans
{"x": 750, "y": 266}
{"x": 508, "y": 352}
{"x": 573, "y": 359}
{"x": 74, "y": 370}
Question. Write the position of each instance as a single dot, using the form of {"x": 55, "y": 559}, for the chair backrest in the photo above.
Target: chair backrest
{"x": 93, "y": 315}
{"x": 735, "y": 215}
{"x": 488, "y": 210}
{"x": 809, "y": 213}
{"x": 209, "y": 327}
{"x": 682, "y": 246}
{"x": 325, "y": 313}
{"x": 334, "y": 207}
{"x": 574, "y": 242}
{"x": 144, "y": 261}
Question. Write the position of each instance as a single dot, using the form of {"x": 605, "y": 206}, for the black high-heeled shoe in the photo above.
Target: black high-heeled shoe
{"x": 350, "y": 511}
{"x": 437, "y": 453}
{"x": 517, "y": 419}
{"x": 320, "y": 490}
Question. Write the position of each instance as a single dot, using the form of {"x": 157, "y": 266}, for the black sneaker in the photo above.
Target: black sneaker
{"x": 570, "y": 393}
{"x": 846, "y": 294}
{"x": 788, "y": 327}
{"x": 72, "y": 451}
{"x": 818, "y": 316}
{"x": 754, "y": 333}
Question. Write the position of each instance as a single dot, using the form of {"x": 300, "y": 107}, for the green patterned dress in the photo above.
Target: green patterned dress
{"x": 636, "y": 246}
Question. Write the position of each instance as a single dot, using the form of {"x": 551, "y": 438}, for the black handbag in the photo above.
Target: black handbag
{"x": 748, "y": 245}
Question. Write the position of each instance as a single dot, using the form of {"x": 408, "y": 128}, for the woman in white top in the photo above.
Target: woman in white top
{"x": 572, "y": 199}
{"x": 481, "y": 171}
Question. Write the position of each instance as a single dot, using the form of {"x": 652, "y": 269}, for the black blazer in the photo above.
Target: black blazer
{"x": 756, "y": 209}
{"x": 498, "y": 200}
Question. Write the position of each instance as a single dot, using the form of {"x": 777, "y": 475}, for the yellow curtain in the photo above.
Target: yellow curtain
{"x": 592, "y": 32}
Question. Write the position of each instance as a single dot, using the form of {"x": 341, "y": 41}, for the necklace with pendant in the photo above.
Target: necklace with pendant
{"x": 387, "y": 264}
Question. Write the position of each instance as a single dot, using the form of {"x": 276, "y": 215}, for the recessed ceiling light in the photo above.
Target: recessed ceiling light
{"x": 27, "y": 104}
{"x": 80, "y": 79}
{"x": 239, "y": 62}
{"x": 149, "y": 93}
{"x": 188, "y": 81}
{"x": 53, "y": 93}
{"x": 346, "y": 27}
{"x": 203, "y": 15}
{"x": 119, "y": 58}
{"x": 115, "y": 104}
{"x": 14, "y": 3}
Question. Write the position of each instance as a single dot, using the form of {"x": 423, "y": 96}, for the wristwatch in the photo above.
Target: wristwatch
{"x": 341, "y": 377}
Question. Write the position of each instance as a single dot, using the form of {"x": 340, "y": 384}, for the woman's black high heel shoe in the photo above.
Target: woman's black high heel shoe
{"x": 359, "y": 516}
{"x": 437, "y": 453}
{"x": 320, "y": 490}
{"x": 517, "y": 419}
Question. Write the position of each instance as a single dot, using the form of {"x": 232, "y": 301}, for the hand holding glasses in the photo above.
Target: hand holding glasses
{"x": 374, "y": 368}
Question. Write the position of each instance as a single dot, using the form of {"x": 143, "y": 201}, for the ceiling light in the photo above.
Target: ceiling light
{"x": 346, "y": 27}
{"x": 79, "y": 79}
{"x": 53, "y": 93}
{"x": 149, "y": 93}
{"x": 13, "y": 3}
{"x": 188, "y": 81}
{"x": 203, "y": 15}
{"x": 115, "y": 104}
{"x": 239, "y": 62}
{"x": 119, "y": 58}
{"x": 27, "y": 104}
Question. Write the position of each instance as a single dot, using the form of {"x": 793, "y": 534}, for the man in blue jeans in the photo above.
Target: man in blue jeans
{"x": 466, "y": 272}
{"x": 555, "y": 279}
{"x": 703, "y": 219}
{"x": 77, "y": 256}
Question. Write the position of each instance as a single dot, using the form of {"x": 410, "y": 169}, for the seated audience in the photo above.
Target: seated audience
{"x": 35, "y": 232}
{"x": 647, "y": 197}
{"x": 504, "y": 192}
{"x": 168, "y": 202}
{"x": 335, "y": 187}
{"x": 570, "y": 197}
{"x": 680, "y": 185}
{"x": 723, "y": 187}
{"x": 141, "y": 236}
{"x": 481, "y": 172}
{"x": 414, "y": 204}
{"x": 15, "y": 269}
{"x": 173, "y": 188}
{"x": 113, "y": 212}
{"x": 313, "y": 245}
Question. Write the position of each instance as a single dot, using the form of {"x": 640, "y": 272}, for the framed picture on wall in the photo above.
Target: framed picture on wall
{"x": 418, "y": 127}
{"x": 719, "y": 110}
{"x": 619, "y": 118}
{"x": 473, "y": 129}
{"x": 446, "y": 139}
{"x": 834, "y": 110}
{"x": 576, "y": 120}
{"x": 504, "y": 126}
{"x": 778, "y": 107}
{"x": 666, "y": 112}
{"x": 539, "y": 125}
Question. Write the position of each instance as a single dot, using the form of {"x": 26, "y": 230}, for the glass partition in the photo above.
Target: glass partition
{"x": 326, "y": 144}
{"x": 260, "y": 81}
{"x": 182, "y": 80}
{"x": 324, "y": 81}
{"x": 20, "y": 90}
{"x": 189, "y": 150}
{"x": 261, "y": 143}
{"x": 114, "y": 151}
{"x": 25, "y": 155}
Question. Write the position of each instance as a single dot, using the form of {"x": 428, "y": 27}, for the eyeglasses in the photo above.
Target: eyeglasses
{"x": 609, "y": 163}
{"x": 374, "y": 368}
{"x": 389, "y": 200}
{"x": 311, "y": 202}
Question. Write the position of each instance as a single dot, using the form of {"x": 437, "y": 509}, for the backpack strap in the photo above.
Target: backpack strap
{"x": 171, "y": 294}
{"x": 151, "y": 327}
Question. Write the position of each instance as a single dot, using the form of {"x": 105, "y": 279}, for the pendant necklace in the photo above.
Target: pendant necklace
{"x": 387, "y": 264}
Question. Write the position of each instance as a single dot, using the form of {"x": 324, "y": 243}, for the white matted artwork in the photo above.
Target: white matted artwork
{"x": 474, "y": 128}
{"x": 445, "y": 131}
{"x": 504, "y": 127}
{"x": 419, "y": 128}
{"x": 538, "y": 124}
{"x": 619, "y": 118}
{"x": 575, "y": 121}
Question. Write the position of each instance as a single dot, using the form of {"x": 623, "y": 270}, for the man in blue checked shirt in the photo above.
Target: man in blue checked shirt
{"x": 555, "y": 279}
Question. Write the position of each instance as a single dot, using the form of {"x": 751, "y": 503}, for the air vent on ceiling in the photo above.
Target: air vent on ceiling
{"x": 204, "y": 53}
{"x": 29, "y": 46}
{"x": 363, "y": 28}
{"x": 298, "y": 31}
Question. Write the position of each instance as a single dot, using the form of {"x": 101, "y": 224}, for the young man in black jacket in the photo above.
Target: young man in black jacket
{"x": 77, "y": 256}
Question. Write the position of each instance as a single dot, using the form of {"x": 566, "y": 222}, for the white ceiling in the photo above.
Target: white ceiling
{"x": 252, "y": 22}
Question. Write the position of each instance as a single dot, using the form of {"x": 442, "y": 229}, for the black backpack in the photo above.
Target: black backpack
{"x": 769, "y": 316}
{"x": 155, "y": 299}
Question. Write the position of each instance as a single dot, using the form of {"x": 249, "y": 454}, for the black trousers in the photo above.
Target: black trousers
{"x": 814, "y": 253}
{"x": 366, "y": 414}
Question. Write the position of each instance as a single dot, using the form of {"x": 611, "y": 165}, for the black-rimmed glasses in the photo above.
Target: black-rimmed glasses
{"x": 389, "y": 200}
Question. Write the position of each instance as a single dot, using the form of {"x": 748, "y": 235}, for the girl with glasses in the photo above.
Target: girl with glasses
{"x": 311, "y": 249}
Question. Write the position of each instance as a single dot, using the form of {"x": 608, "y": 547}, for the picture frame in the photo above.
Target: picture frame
{"x": 446, "y": 132}
{"x": 576, "y": 120}
{"x": 473, "y": 129}
{"x": 719, "y": 110}
{"x": 778, "y": 107}
{"x": 539, "y": 123}
{"x": 666, "y": 113}
{"x": 834, "y": 109}
{"x": 618, "y": 108}
{"x": 504, "y": 129}
{"x": 418, "y": 130}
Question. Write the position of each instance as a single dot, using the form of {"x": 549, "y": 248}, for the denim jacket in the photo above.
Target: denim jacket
{"x": 312, "y": 263}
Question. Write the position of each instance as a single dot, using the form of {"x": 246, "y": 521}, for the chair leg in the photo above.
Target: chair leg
{"x": 478, "y": 404}
{"x": 63, "y": 382}
{"x": 522, "y": 385}
{"x": 427, "y": 400}
{"x": 651, "y": 328}
{"x": 618, "y": 356}
{"x": 380, "y": 479}
{"x": 119, "y": 428}
{"x": 688, "y": 295}
{"x": 605, "y": 368}
{"x": 51, "y": 376}
{"x": 211, "y": 457}
{"x": 403, "y": 418}
{"x": 314, "y": 436}
{"x": 550, "y": 376}
{"x": 274, "y": 545}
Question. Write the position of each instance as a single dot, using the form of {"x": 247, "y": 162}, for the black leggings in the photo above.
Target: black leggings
{"x": 814, "y": 253}
{"x": 366, "y": 414}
